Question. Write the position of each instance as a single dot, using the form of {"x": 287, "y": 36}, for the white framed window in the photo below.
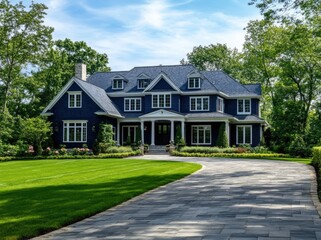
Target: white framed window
{"x": 194, "y": 82}
{"x": 75, "y": 131}
{"x": 132, "y": 104}
{"x": 142, "y": 83}
{"x": 118, "y": 83}
{"x": 161, "y": 100}
{"x": 74, "y": 99}
{"x": 244, "y": 106}
{"x": 201, "y": 134}
{"x": 129, "y": 134}
{"x": 220, "y": 104}
{"x": 199, "y": 103}
{"x": 243, "y": 134}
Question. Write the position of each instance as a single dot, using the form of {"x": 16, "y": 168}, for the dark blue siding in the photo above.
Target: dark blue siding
{"x": 162, "y": 85}
{"x": 86, "y": 112}
{"x": 231, "y": 106}
{"x": 255, "y": 106}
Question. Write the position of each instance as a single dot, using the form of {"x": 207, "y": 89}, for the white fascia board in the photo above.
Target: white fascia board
{"x": 125, "y": 94}
{"x": 46, "y": 114}
{"x": 108, "y": 114}
{"x": 58, "y": 96}
{"x": 156, "y": 80}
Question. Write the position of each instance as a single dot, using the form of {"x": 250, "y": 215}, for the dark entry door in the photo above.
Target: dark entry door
{"x": 163, "y": 132}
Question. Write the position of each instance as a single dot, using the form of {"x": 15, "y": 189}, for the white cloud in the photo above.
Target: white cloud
{"x": 147, "y": 33}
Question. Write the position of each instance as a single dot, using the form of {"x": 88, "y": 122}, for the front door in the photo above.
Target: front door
{"x": 163, "y": 131}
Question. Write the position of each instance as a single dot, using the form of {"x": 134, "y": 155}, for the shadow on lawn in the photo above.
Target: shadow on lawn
{"x": 32, "y": 211}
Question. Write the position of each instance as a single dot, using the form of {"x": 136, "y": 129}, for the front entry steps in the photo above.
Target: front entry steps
{"x": 157, "y": 150}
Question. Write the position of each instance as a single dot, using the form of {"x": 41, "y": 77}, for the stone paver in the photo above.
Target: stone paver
{"x": 227, "y": 199}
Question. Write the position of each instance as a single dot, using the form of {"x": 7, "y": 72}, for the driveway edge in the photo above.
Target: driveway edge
{"x": 314, "y": 190}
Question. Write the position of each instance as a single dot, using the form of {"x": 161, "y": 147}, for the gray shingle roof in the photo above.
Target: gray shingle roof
{"x": 208, "y": 115}
{"x": 99, "y": 95}
{"x": 213, "y": 81}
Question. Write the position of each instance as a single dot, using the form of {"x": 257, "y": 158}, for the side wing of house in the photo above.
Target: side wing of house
{"x": 76, "y": 113}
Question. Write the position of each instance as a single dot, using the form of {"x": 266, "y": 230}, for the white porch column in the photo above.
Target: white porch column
{"x": 118, "y": 132}
{"x": 227, "y": 129}
{"x": 172, "y": 130}
{"x": 183, "y": 129}
{"x": 153, "y": 133}
{"x": 142, "y": 131}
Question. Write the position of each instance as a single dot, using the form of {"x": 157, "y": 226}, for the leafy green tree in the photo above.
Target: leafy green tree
{"x": 23, "y": 39}
{"x": 215, "y": 57}
{"x": 35, "y": 131}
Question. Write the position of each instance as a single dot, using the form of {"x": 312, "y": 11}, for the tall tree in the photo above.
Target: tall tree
{"x": 215, "y": 57}
{"x": 23, "y": 39}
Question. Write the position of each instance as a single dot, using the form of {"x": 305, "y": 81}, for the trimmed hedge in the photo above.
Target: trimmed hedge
{"x": 228, "y": 155}
{"x": 102, "y": 156}
{"x": 115, "y": 149}
{"x": 208, "y": 150}
{"x": 316, "y": 163}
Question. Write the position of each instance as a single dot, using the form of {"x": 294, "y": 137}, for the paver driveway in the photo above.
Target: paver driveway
{"x": 227, "y": 199}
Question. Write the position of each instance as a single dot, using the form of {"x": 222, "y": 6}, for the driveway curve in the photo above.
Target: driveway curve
{"x": 227, "y": 199}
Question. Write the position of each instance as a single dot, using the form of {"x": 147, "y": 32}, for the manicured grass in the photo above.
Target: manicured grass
{"x": 292, "y": 159}
{"x": 41, "y": 195}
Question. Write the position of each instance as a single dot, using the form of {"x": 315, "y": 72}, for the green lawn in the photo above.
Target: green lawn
{"x": 42, "y": 195}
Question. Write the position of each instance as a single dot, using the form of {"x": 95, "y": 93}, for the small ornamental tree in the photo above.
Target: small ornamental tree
{"x": 106, "y": 134}
{"x": 178, "y": 134}
{"x": 138, "y": 136}
{"x": 35, "y": 131}
{"x": 222, "y": 137}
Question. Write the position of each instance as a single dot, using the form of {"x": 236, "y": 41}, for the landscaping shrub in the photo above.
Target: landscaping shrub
{"x": 228, "y": 155}
{"x": 208, "y": 150}
{"x": 299, "y": 148}
{"x": 316, "y": 163}
{"x": 222, "y": 137}
{"x": 115, "y": 149}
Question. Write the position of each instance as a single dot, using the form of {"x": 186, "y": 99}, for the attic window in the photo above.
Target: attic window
{"x": 194, "y": 82}
{"x": 142, "y": 83}
{"x": 118, "y": 83}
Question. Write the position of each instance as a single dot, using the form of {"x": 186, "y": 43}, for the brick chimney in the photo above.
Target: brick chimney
{"x": 80, "y": 71}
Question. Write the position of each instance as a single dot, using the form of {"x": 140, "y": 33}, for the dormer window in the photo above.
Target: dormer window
{"x": 194, "y": 82}
{"x": 142, "y": 83}
{"x": 118, "y": 83}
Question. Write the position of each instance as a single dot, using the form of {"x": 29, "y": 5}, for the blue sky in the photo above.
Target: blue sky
{"x": 149, "y": 32}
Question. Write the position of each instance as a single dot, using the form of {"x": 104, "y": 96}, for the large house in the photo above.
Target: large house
{"x": 159, "y": 102}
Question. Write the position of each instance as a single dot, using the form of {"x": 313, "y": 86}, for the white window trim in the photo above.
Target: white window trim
{"x": 196, "y": 110}
{"x": 243, "y": 112}
{"x": 128, "y": 126}
{"x": 210, "y": 143}
{"x": 237, "y": 134}
{"x": 138, "y": 87}
{"x": 118, "y": 79}
{"x": 74, "y": 121}
{"x": 164, "y": 94}
{"x": 217, "y": 100}
{"x": 135, "y": 100}
{"x": 75, "y": 93}
{"x": 194, "y": 78}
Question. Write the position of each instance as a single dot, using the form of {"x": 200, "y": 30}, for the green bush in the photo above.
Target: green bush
{"x": 208, "y": 150}
{"x": 105, "y": 148}
{"x": 299, "y": 148}
{"x": 228, "y": 155}
{"x": 222, "y": 137}
{"x": 100, "y": 156}
{"x": 259, "y": 149}
{"x": 316, "y": 163}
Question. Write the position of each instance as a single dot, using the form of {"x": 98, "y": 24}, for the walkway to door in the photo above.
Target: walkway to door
{"x": 227, "y": 199}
